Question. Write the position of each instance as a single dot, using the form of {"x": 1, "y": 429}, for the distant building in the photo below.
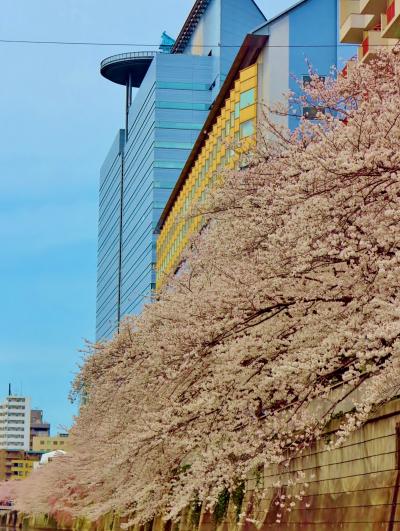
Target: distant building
{"x": 50, "y": 444}
{"x": 17, "y": 464}
{"x": 15, "y": 422}
{"x": 39, "y": 428}
{"x": 177, "y": 86}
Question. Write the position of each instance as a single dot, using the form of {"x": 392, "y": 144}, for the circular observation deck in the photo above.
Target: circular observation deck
{"x": 127, "y": 67}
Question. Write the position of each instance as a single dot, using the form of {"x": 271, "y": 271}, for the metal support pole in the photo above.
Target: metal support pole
{"x": 130, "y": 89}
{"x": 128, "y": 103}
{"x": 126, "y": 111}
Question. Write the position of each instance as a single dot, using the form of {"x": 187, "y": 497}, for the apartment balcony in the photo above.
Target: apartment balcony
{"x": 390, "y": 21}
{"x": 373, "y": 42}
{"x": 347, "y": 8}
{"x": 353, "y": 28}
{"x": 375, "y": 8}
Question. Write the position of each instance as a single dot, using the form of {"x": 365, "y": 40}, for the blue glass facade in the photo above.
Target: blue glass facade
{"x": 163, "y": 122}
{"x": 108, "y": 257}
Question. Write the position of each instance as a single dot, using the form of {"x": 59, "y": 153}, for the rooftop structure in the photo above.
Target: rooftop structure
{"x": 167, "y": 43}
{"x": 194, "y": 18}
{"x": 127, "y": 68}
{"x": 38, "y": 426}
{"x": 190, "y": 25}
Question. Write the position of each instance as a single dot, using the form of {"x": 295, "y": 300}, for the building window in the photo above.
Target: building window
{"x": 179, "y": 125}
{"x": 307, "y": 80}
{"x": 310, "y": 113}
{"x": 246, "y": 128}
{"x": 181, "y": 86}
{"x": 191, "y": 106}
{"x": 172, "y": 164}
{"x": 247, "y": 98}
{"x": 174, "y": 145}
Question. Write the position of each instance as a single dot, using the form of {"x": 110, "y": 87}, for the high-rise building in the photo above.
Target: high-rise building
{"x": 39, "y": 428}
{"x": 15, "y": 421}
{"x": 176, "y": 89}
{"x": 272, "y": 61}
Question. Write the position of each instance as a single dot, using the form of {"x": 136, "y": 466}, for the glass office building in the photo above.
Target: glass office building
{"x": 176, "y": 88}
{"x": 108, "y": 260}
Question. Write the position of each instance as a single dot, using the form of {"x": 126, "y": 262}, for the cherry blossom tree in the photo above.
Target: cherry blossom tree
{"x": 287, "y": 306}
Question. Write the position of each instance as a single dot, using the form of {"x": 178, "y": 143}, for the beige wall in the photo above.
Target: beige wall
{"x": 49, "y": 444}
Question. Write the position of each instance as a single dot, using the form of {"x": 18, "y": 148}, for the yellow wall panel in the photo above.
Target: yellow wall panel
{"x": 248, "y": 113}
{"x": 248, "y": 84}
{"x": 247, "y": 73}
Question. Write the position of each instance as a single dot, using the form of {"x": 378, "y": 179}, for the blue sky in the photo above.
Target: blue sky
{"x": 58, "y": 119}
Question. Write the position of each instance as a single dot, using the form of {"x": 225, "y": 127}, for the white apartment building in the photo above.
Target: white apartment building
{"x": 15, "y": 415}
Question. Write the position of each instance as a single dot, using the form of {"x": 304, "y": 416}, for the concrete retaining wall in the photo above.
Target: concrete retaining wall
{"x": 352, "y": 488}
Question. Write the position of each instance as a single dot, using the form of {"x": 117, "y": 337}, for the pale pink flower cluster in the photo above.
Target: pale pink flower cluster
{"x": 289, "y": 303}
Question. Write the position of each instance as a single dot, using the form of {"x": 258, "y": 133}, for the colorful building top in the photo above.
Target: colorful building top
{"x": 272, "y": 61}
{"x": 373, "y": 24}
